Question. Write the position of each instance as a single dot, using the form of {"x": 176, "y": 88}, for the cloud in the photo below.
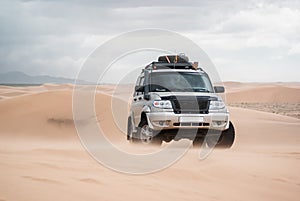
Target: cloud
{"x": 55, "y": 37}
{"x": 265, "y": 25}
{"x": 295, "y": 49}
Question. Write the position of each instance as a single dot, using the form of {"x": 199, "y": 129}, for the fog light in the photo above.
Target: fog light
{"x": 219, "y": 123}
{"x": 162, "y": 123}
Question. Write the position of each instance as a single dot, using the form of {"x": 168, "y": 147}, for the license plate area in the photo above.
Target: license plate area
{"x": 191, "y": 119}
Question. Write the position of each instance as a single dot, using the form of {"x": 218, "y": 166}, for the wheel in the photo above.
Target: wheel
{"x": 129, "y": 129}
{"x": 130, "y": 134}
{"x": 147, "y": 135}
{"x": 227, "y": 137}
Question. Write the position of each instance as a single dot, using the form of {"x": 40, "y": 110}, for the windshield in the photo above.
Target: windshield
{"x": 179, "y": 82}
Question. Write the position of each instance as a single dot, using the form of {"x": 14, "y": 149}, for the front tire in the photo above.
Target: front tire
{"x": 147, "y": 135}
{"x": 225, "y": 140}
{"x": 129, "y": 129}
{"x": 130, "y": 133}
{"x": 227, "y": 137}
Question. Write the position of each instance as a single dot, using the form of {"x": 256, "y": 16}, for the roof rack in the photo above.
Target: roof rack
{"x": 173, "y": 62}
{"x": 163, "y": 65}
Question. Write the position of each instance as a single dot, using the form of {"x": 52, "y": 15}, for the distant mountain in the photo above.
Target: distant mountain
{"x": 17, "y": 77}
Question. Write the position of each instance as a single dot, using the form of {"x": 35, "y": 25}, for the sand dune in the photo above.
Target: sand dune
{"x": 41, "y": 115}
{"x": 41, "y": 157}
{"x": 280, "y": 98}
{"x": 264, "y": 94}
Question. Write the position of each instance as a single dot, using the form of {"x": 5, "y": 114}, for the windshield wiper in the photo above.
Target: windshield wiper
{"x": 161, "y": 89}
{"x": 200, "y": 89}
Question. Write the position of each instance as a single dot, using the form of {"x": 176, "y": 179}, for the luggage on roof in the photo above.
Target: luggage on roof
{"x": 181, "y": 58}
{"x": 180, "y": 61}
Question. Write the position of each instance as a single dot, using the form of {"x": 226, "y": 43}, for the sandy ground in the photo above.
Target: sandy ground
{"x": 41, "y": 157}
{"x": 279, "y": 98}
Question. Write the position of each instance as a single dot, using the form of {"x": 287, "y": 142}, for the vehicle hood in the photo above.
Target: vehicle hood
{"x": 166, "y": 94}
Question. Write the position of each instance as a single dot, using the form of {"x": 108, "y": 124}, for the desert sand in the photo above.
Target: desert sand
{"x": 279, "y": 98}
{"x": 41, "y": 157}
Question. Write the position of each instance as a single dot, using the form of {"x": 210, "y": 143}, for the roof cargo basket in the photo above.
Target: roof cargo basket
{"x": 180, "y": 61}
{"x": 163, "y": 65}
{"x": 181, "y": 58}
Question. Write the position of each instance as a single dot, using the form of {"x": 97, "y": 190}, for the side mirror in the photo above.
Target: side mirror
{"x": 219, "y": 89}
{"x": 139, "y": 88}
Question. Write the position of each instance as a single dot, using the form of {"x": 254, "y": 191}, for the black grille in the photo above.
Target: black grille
{"x": 189, "y": 104}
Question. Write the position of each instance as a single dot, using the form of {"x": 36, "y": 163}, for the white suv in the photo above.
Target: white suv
{"x": 174, "y": 95}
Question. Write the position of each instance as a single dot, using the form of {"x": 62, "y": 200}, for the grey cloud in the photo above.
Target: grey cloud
{"x": 54, "y": 37}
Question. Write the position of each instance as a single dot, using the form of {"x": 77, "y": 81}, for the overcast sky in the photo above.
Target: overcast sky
{"x": 253, "y": 41}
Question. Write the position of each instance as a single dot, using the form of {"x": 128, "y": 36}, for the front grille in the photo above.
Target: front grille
{"x": 189, "y": 104}
{"x": 190, "y": 124}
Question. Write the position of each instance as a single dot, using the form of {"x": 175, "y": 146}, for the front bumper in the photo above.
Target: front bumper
{"x": 170, "y": 120}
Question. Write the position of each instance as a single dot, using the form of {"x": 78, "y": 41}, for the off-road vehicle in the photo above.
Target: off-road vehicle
{"x": 173, "y": 94}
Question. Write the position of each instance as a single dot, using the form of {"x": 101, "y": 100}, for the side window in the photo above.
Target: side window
{"x": 141, "y": 83}
{"x": 137, "y": 84}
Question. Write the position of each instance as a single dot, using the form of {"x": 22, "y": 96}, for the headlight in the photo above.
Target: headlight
{"x": 163, "y": 104}
{"x": 216, "y": 105}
